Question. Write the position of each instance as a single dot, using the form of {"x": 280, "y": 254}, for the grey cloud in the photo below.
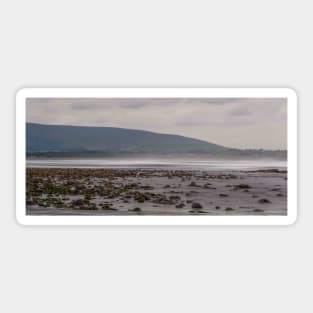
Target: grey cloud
{"x": 236, "y": 122}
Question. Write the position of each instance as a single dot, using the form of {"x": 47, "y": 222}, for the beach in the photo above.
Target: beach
{"x": 155, "y": 190}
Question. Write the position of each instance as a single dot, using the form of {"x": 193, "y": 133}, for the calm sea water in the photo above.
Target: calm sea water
{"x": 166, "y": 164}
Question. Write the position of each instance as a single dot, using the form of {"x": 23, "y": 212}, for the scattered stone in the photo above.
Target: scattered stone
{"x": 135, "y": 210}
{"x": 275, "y": 189}
{"x": 75, "y": 189}
{"x": 208, "y": 187}
{"x": 87, "y": 197}
{"x": 258, "y": 210}
{"x": 242, "y": 186}
{"x": 180, "y": 205}
{"x": 78, "y": 202}
{"x": 147, "y": 187}
{"x": 109, "y": 209}
{"x": 197, "y": 211}
{"x": 264, "y": 201}
{"x": 174, "y": 198}
{"x": 87, "y": 207}
{"x": 140, "y": 200}
{"x": 196, "y": 205}
{"x": 274, "y": 170}
{"x": 191, "y": 193}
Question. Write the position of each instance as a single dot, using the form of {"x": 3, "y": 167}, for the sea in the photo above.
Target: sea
{"x": 207, "y": 165}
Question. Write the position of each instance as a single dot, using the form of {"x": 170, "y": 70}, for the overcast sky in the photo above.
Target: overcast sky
{"x": 232, "y": 122}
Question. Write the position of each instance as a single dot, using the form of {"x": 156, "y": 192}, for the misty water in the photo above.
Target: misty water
{"x": 191, "y": 164}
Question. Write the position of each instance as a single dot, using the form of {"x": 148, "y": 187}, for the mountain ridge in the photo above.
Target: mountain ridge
{"x": 68, "y": 140}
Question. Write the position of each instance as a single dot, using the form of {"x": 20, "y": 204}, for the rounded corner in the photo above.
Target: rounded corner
{"x": 292, "y": 220}
{"x": 21, "y": 93}
{"x": 20, "y": 219}
{"x": 292, "y": 94}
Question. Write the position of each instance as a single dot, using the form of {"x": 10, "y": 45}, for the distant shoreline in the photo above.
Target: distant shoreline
{"x": 238, "y": 155}
{"x": 170, "y": 163}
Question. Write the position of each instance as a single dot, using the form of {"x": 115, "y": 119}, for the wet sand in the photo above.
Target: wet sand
{"x": 78, "y": 191}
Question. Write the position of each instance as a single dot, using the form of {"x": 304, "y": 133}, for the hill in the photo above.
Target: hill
{"x": 75, "y": 141}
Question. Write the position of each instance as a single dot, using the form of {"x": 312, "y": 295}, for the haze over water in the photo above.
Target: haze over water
{"x": 209, "y": 165}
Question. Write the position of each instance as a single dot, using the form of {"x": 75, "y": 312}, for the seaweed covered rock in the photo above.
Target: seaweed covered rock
{"x": 196, "y": 205}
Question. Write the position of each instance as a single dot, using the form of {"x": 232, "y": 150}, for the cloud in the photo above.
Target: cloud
{"x": 240, "y": 112}
{"x": 235, "y": 122}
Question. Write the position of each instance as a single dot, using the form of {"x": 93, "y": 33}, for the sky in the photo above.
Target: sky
{"x": 256, "y": 123}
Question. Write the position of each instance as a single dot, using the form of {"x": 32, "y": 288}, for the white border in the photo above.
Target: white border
{"x": 25, "y": 93}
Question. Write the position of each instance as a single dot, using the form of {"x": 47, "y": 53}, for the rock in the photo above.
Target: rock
{"x": 258, "y": 210}
{"x": 223, "y": 195}
{"x": 109, "y": 209}
{"x": 279, "y": 195}
{"x": 167, "y": 201}
{"x": 196, "y": 205}
{"x": 193, "y": 184}
{"x": 208, "y": 186}
{"x": 197, "y": 211}
{"x": 147, "y": 187}
{"x": 89, "y": 207}
{"x": 167, "y": 186}
{"x": 180, "y": 205}
{"x": 140, "y": 200}
{"x": 191, "y": 193}
{"x": 229, "y": 209}
{"x": 269, "y": 171}
{"x": 135, "y": 210}
{"x": 264, "y": 201}
{"x": 174, "y": 198}
{"x": 242, "y": 186}
{"x": 87, "y": 197}
{"x": 217, "y": 207}
{"x": 78, "y": 202}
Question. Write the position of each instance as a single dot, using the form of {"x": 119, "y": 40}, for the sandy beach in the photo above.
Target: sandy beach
{"x": 142, "y": 191}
